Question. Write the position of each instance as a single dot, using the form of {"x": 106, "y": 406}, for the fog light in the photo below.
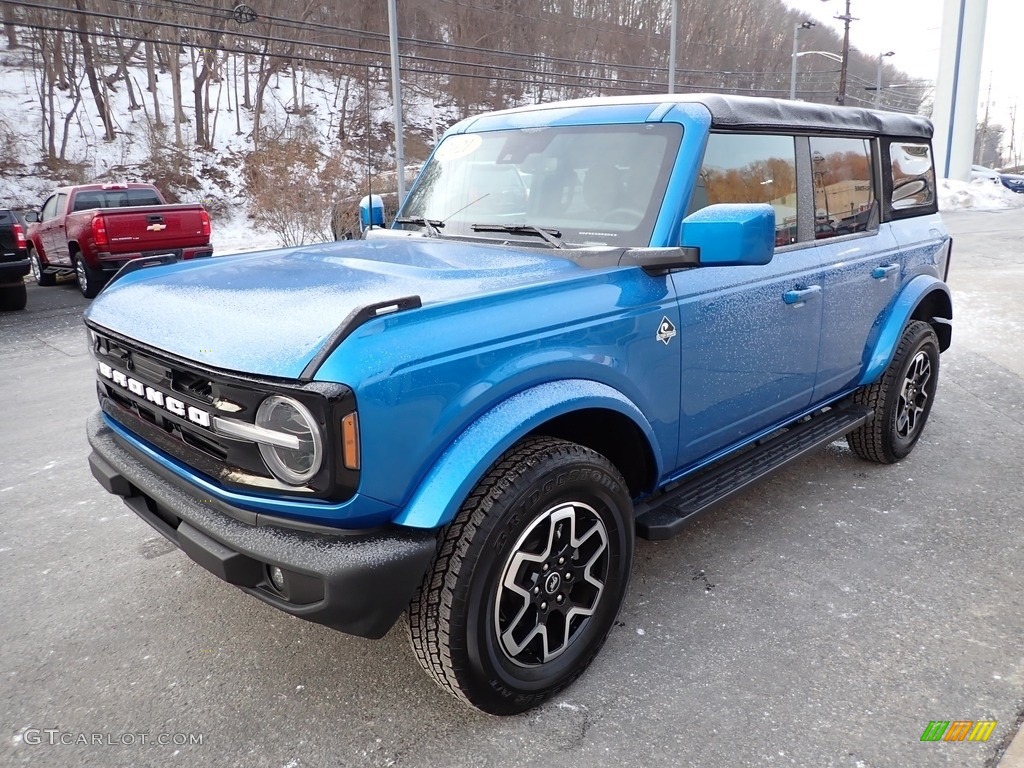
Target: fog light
{"x": 277, "y": 578}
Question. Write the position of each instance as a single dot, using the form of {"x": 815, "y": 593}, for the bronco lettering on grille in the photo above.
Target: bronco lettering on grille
{"x": 155, "y": 396}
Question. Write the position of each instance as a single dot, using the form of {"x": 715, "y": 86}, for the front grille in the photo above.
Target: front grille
{"x": 200, "y": 394}
{"x": 198, "y": 446}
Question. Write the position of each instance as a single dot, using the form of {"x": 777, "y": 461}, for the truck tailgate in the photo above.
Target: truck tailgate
{"x": 151, "y": 228}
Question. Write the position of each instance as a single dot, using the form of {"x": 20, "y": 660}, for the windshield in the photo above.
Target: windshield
{"x": 594, "y": 184}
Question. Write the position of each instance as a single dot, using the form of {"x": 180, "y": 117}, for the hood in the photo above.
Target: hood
{"x": 268, "y": 313}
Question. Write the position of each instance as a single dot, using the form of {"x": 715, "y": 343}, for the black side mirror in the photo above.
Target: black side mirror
{"x": 31, "y": 217}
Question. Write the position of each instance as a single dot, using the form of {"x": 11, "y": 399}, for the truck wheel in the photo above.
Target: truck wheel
{"x": 528, "y": 577}
{"x": 901, "y": 399}
{"x": 44, "y": 279}
{"x": 90, "y": 281}
{"x": 13, "y": 296}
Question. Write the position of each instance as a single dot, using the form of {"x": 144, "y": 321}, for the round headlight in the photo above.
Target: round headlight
{"x": 295, "y": 466}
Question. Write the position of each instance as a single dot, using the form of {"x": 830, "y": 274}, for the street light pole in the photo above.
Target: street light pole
{"x": 396, "y": 91}
{"x": 878, "y": 78}
{"x": 792, "y": 73}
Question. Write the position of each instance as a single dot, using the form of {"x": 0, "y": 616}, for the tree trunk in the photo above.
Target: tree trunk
{"x": 174, "y": 65}
{"x": 44, "y": 77}
{"x": 9, "y": 29}
{"x": 151, "y": 82}
{"x": 122, "y": 69}
{"x": 247, "y": 100}
{"x": 90, "y": 72}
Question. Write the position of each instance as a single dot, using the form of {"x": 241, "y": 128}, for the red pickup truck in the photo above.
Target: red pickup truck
{"x": 97, "y": 228}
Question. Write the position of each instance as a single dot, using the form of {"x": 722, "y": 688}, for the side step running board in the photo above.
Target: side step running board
{"x": 665, "y": 515}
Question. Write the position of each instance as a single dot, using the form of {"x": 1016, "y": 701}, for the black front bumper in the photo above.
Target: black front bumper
{"x": 358, "y": 582}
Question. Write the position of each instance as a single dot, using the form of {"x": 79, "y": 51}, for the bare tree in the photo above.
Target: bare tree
{"x": 89, "y": 61}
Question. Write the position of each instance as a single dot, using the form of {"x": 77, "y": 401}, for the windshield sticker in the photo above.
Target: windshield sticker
{"x": 458, "y": 146}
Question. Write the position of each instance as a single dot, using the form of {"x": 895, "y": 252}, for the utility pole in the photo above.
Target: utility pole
{"x": 672, "y": 48}
{"x": 846, "y": 18}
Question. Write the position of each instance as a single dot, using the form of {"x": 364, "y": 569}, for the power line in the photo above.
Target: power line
{"x": 559, "y": 80}
{"x": 608, "y": 82}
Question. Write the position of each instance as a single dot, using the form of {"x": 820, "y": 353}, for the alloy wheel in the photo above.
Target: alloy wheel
{"x": 551, "y": 584}
{"x": 914, "y": 394}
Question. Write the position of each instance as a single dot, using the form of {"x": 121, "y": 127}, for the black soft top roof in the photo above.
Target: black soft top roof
{"x": 754, "y": 113}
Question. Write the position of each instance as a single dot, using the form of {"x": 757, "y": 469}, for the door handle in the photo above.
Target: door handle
{"x": 882, "y": 272}
{"x": 798, "y": 296}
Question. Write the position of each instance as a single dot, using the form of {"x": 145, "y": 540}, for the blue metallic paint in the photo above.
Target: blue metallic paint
{"x": 479, "y": 445}
{"x": 268, "y": 313}
{"x": 731, "y": 234}
{"x": 892, "y": 328}
{"x": 855, "y": 303}
{"x": 422, "y": 377}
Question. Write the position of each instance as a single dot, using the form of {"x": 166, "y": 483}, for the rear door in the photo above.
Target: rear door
{"x": 860, "y": 257}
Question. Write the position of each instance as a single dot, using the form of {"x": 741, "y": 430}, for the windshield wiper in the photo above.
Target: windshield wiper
{"x": 551, "y": 236}
{"x": 433, "y": 226}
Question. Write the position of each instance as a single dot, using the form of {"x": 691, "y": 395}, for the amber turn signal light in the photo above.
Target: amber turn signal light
{"x": 350, "y": 441}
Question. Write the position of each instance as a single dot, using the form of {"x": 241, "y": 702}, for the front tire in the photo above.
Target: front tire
{"x": 901, "y": 399}
{"x": 528, "y": 578}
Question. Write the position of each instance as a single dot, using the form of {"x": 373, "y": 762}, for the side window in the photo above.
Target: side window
{"x": 747, "y": 168}
{"x": 49, "y": 208}
{"x": 62, "y": 203}
{"x": 843, "y": 188}
{"x": 913, "y": 178}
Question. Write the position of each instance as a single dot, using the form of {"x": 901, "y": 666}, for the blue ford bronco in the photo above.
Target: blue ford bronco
{"x": 590, "y": 321}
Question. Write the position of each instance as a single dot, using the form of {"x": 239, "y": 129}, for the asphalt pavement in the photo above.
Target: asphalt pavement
{"x": 821, "y": 619}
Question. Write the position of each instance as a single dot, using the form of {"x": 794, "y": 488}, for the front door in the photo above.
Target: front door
{"x": 749, "y": 335}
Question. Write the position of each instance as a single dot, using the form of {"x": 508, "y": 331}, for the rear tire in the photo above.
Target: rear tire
{"x": 901, "y": 399}
{"x": 90, "y": 281}
{"x": 528, "y": 578}
{"x": 44, "y": 279}
{"x": 13, "y": 296}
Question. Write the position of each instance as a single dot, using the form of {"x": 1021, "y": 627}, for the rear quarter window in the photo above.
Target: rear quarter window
{"x": 910, "y": 183}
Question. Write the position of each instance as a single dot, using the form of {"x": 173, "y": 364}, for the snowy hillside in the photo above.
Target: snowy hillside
{"x": 142, "y": 150}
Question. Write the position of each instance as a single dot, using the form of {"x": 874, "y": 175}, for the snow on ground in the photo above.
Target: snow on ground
{"x": 977, "y": 195}
{"x": 238, "y": 235}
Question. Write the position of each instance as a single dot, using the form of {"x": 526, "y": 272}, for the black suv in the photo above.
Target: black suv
{"x": 14, "y": 263}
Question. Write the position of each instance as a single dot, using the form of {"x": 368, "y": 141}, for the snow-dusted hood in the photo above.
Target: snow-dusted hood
{"x": 268, "y": 313}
